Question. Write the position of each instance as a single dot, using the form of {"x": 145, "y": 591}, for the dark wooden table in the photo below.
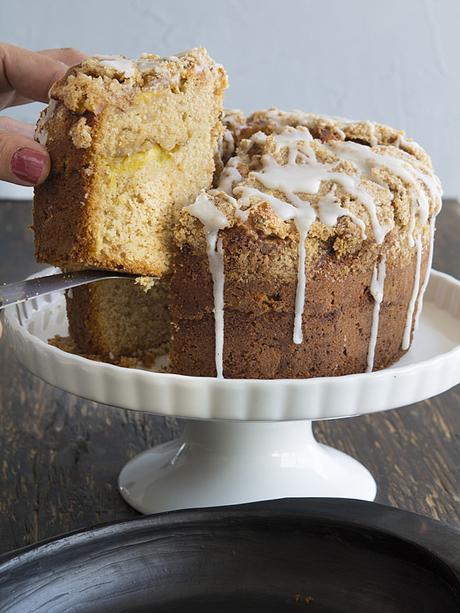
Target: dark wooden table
{"x": 60, "y": 456}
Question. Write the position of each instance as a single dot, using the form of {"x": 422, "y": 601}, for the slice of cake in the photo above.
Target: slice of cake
{"x": 131, "y": 142}
{"x": 313, "y": 256}
{"x": 119, "y": 321}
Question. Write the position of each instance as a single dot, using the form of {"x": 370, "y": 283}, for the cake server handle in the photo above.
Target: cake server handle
{"x": 13, "y": 293}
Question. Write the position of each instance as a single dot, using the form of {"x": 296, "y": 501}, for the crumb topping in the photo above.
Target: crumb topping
{"x": 80, "y": 133}
{"x": 146, "y": 282}
{"x": 102, "y": 79}
{"x": 356, "y": 180}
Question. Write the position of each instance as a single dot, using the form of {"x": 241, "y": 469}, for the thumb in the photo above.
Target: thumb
{"x": 22, "y": 160}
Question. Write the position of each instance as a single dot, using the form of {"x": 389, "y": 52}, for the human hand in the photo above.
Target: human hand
{"x": 26, "y": 76}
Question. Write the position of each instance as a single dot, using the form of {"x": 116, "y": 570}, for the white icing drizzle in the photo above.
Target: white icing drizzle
{"x": 162, "y": 69}
{"x": 230, "y": 175}
{"x": 231, "y": 120}
{"x": 329, "y": 211}
{"x": 415, "y": 291}
{"x": 146, "y": 65}
{"x": 341, "y": 133}
{"x": 373, "y": 140}
{"x": 409, "y": 144}
{"x": 41, "y": 135}
{"x": 259, "y": 138}
{"x": 365, "y": 158}
{"x": 228, "y": 138}
{"x": 282, "y": 209}
{"x": 427, "y": 273}
{"x": 308, "y": 176}
{"x": 119, "y": 63}
{"x": 305, "y": 216}
{"x": 377, "y": 289}
{"x": 291, "y": 136}
{"x": 41, "y": 131}
{"x": 214, "y": 220}
{"x": 281, "y": 119}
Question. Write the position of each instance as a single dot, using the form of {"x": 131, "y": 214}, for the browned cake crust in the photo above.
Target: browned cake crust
{"x": 261, "y": 250}
{"x": 130, "y": 142}
{"x": 144, "y": 359}
{"x": 259, "y": 314}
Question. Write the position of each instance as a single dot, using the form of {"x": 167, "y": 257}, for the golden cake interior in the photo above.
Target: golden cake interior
{"x": 120, "y": 321}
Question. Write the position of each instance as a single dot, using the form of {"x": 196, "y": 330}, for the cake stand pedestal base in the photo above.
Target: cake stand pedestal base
{"x": 225, "y": 462}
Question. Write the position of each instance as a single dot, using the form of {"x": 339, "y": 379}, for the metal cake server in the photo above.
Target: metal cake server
{"x": 14, "y": 293}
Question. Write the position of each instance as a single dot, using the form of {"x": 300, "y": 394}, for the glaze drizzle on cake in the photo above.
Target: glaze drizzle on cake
{"x": 214, "y": 220}
{"x": 376, "y": 289}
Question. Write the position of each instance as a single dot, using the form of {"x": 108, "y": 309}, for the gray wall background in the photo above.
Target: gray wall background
{"x": 393, "y": 61}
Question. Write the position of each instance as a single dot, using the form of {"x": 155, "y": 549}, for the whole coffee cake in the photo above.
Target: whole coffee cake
{"x": 312, "y": 255}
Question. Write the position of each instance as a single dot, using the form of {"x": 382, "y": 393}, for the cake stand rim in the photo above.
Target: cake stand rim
{"x": 15, "y": 327}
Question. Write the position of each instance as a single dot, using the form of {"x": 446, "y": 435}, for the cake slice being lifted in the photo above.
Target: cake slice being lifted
{"x": 131, "y": 142}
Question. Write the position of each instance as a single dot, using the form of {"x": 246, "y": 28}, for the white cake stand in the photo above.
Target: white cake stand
{"x": 245, "y": 440}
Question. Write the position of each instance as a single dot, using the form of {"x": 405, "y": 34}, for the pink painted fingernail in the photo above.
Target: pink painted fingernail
{"x": 28, "y": 164}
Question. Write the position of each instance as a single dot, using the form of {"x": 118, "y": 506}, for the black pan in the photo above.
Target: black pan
{"x": 312, "y": 555}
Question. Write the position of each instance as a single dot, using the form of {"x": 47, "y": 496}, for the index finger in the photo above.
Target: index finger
{"x": 31, "y": 74}
{"x": 67, "y": 55}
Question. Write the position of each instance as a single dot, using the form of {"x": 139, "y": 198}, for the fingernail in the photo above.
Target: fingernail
{"x": 28, "y": 164}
